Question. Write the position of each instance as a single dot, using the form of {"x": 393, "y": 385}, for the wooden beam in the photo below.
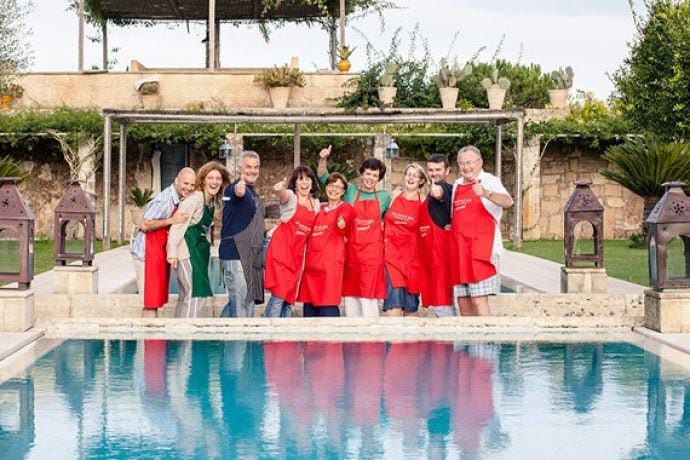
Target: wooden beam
{"x": 211, "y": 28}
{"x": 80, "y": 54}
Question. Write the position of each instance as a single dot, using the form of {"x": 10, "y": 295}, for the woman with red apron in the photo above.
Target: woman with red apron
{"x": 321, "y": 287}
{"x": 401, "y": 225}
{"x": 285, "y": 254}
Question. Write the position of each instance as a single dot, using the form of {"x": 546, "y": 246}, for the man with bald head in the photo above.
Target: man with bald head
{"x": 148, "y": 246}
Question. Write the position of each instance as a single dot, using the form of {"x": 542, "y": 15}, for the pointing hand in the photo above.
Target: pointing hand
{"x": 280, "y": 186}
{"x": 325, "y": 153}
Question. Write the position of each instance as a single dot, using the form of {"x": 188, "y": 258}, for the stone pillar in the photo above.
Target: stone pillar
{"x": 75, "y": 279}
{"x": 531, "y": 189}
{"x": 232, "y": 161}
{"x": 668, "y": 310}
{"x": 583, "y": 280}
{"x": 16, "y": 310}
{"x": 380, "y": 142}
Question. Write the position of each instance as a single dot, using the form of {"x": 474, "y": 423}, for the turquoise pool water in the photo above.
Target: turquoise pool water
{"x": 317, "y": 400}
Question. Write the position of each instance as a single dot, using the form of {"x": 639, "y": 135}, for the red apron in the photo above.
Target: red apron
{"x": 322, "y": 281}
{"x": 400, "y": 243}
{"x": 285, "y": 255}
{"x": 434, "y": 281}
{"x": 364, "y": 264}
{"x": 472, "y": 231}
{"x": 156, "y": 268}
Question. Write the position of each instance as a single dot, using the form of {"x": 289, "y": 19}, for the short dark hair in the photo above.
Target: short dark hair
{"x": 300, "y": 171}
{"x": 439, "y": 158}
{"x": 336, "y": 176}
{"x": 373, "y": 164}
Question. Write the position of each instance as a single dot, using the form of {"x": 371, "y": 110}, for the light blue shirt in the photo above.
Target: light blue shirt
{"x": 161, "y": 207}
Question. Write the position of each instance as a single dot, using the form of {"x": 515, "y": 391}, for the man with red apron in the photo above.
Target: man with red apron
{"x": 478, "y": 201}
{"x": 435, "y": 283}
{"x": 148, "y": 246}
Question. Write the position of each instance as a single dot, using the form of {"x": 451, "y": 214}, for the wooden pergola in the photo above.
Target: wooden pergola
{"x": 213, "y": 12}
{"x": 297, "y": 117}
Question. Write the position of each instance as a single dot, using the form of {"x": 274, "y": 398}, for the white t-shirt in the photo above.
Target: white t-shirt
{"x": 493, "y": 183}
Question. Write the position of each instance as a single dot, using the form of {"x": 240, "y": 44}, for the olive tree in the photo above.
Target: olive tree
{"x": 653, "y": 83}
{"x": 15, "y": 55}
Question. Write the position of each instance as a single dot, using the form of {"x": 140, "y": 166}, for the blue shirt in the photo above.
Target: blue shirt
{"x": 238, "y": 212}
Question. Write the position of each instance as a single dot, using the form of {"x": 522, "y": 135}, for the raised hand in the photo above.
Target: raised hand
{"x": 240, "y": 187}
{"x": 477, "y": 188}
{"x": 280, "y": 186}
{"x": 325, "y": 153}
{"x": 436, "y": 191}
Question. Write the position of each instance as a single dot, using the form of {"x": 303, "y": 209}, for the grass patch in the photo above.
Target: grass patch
{"x": 620, "y": 260}
{"x": 43, "y": 255}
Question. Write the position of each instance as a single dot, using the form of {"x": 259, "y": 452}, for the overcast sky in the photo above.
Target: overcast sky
{"x": 590, "y": 35}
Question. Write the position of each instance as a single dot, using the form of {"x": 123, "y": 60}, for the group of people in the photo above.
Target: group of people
{"x": 427, "y": 239}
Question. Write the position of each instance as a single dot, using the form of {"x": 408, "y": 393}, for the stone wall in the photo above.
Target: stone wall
{"x": 545, "y": 189}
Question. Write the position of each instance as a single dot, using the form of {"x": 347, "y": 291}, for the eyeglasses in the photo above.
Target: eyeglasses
{"x": 335, "y": 187}
{"x": 468, "y": 163}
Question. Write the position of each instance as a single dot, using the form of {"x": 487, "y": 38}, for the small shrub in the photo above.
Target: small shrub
{"x": 280, "y": 76}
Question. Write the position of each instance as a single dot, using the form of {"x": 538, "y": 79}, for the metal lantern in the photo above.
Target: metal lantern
{"x": 669, "y": 219}
{"x": 583, "y": 206}
{"x": 392, "y": 149}
{"x": 75, "y": 207}
{"x": 16, "y": 224}
{"x": 225, "y": 150}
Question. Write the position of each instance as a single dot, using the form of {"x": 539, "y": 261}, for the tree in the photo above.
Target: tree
{"x": 653, "y": 83}
{"x": 15, "y": 54}
{"x": 642, "y": 166}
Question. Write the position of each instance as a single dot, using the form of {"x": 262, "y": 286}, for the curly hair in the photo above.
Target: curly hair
{"x": 205, "y": 170}
{"x": 373, "y": 164}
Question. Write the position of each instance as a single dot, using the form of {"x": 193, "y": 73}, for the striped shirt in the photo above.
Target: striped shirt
{"x": 161, "y": 207}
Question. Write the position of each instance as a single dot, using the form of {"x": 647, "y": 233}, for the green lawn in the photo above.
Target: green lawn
{"x": 620, "y": 261}
{"x": 43, "y": 255}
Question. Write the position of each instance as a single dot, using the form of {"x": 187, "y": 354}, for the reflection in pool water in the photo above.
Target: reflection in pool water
{"x": 210, "y": 399}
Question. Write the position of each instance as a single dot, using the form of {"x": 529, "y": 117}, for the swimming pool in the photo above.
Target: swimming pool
{"x": 253, "y": 399}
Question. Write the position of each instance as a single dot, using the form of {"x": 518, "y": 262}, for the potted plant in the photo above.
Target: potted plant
{"x": 447, "y": 79}
{"x": 564, "y": 81}
{"x": 9, "y": 91}
{"x": 150, "y": 96}
{"x": 279, "y": 81}
{"x": 386, "y": 90}
{"x": 344, "y": 53}
{"x": 140, "y": 198}
{"x": 496, "y": 88}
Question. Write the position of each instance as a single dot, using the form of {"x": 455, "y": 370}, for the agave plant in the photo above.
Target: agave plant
{"x": 11, "y": 168}
{"x": 140, "y": 197}
{"x": 642, "y": 166}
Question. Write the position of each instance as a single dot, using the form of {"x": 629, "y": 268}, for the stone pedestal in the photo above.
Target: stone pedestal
{"x": 75, "y": 280}
{"x": 667, "y": 311}
{"x": 16, "y": 310}
{"x": 583, "y": 280}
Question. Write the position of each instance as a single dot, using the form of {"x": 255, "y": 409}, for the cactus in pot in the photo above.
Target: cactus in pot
{"x": 496, "y": 88}
{"x": 563, "y": 78}
{"x": 447, "y": 79}
{"x": 387, "y": 91}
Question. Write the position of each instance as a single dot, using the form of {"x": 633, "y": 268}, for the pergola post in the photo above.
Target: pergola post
{"x": 499, "y": 151}
{"x": 80, "y": 54}
{"x": 342, "y": 22}
{"x": 517, "y": 238}
{"x": 121, "y": 182}
{"x": 107, "y": 158}
{"x": 211, "y": 44}
{"x": 104, "y": 51}
{"x": 297, "y": 145}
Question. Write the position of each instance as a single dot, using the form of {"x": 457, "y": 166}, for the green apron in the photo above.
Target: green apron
{"x": 200, "y": 253}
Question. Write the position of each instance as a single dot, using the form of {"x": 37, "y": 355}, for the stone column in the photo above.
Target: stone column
{"x": 380, "y": 142}
{"x": 75, "y": 279}
{"x": 232, "y": 161}
{"x": 583, "y": 280}
{"x": 16, "y": 310}
{"x": 531, "y": 189}
{"x": 667, "y": 310}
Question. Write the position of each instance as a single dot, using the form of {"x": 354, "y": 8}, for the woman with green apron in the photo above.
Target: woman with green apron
{"x": 189, "y": 244}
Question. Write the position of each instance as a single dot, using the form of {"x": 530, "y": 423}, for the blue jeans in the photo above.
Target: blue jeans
{"x": 236, "y": 284}
{"x": 277, "y": 308}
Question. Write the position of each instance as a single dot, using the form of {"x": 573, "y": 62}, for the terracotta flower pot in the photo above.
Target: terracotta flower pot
{"x": 449, "y": 97}
{"x": 496, "y": 96}
{"x": 279, "y": 96}
{"x": 344, "y": 65}
{"x": 387, "y": 94}
{"x": 558, "y": 98}
{"x": 6, "y": 102}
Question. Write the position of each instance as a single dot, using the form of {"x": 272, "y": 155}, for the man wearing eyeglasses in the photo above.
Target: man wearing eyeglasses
{"x": 479, "y": 199}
